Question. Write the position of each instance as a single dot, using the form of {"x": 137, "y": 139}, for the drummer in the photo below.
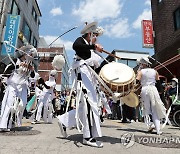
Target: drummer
{"x": 87, "y": 114}
{"x": 153, "y": 106}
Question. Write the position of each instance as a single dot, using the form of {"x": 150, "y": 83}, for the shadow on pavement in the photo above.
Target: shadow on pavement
{"x": 110, "y": 126}
{"x": 77, "y": 138}
{"x": 110, "y": 139}
{"x": 21, "y": 131}
{"x": 23, "y": 128}
{"x": 132, "y": 130}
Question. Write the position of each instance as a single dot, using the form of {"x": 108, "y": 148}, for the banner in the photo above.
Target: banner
{"x": 11, "y": 33}
{"x": 147, "y": 30}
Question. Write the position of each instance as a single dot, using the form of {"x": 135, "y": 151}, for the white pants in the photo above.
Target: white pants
{"x": 8, "y": 103}
{"x": 21, "y": 106}
{"x": 45, "y": 101}
{"x": 89, "y": 97}
{"x": 69, "y": 119}
{"x": 151, "y": 108}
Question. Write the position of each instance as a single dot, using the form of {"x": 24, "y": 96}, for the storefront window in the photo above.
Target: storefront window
{"x": 14, "y": 9}
{"x": 34, "y": 14}
{"x": 124, "y": 61}
{"x": 26, "y": 31}
{"x": 130, "y": 62}
{"x": 177, "y": 19}
{"x": 34, "y": 42}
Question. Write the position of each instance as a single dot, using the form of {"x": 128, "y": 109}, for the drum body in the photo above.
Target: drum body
{"x": 119, "y": 77}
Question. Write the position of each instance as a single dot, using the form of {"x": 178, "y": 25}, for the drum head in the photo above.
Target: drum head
{"x": 131, "y": 99}
{"x": 117, "y": 73}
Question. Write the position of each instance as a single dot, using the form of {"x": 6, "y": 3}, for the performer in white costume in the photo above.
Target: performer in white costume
{"x": 86, "y": 115}
{"x": 46, "y": 97}
{"x": 34, "y": 90}
{"x": 15, "y": 98}
{"x": 153, "y": 106}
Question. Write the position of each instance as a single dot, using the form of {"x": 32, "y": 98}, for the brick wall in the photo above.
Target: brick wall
{"x": 167, "y": 40}
{"x": 45, "y": 63}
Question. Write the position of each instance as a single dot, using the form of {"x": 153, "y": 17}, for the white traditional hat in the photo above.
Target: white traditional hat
{"x": 52, "y": 76}
{"x": 53, "y": 72}
{"x": 51, "y": 82}
{"x": 145, "y": 60}
{"x": 28, "y": 49}
{"x": 58, "y": 62}
{"x": 89, "y": 28}
{"x": 175, "y": 79}
{"x": 99, "y": 30}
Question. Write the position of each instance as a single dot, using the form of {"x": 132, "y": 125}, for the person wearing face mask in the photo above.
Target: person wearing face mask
{"x": 173, "y": 89}
{"x": 153, "y": 107}
{"x": 87, "y": 111}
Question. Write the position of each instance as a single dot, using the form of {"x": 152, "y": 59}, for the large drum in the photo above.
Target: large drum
{"x": 119, "y": 77}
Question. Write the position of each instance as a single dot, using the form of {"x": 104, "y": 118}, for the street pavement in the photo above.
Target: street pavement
{"x": 117, "y": 138}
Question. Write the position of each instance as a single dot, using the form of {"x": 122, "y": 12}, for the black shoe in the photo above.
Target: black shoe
{"x": 125, "y": 121}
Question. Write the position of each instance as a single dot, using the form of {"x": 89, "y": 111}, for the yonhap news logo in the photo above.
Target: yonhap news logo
{"x": 129, "y": 139}
{"x": 158, "y": 140}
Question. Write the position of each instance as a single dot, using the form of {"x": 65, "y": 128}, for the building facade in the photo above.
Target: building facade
{"x": 166, "y": 25}
{"x": 46, "y": 57}
{"x": 30, "y": 14}
{"x": 129, "y": 58}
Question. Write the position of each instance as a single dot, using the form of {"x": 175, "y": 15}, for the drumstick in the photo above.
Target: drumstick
{"x": 111, "y": 54}
{"x": 114, "y": 79}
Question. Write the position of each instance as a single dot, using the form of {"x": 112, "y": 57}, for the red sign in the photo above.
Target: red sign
{"x": 147, "y": 30}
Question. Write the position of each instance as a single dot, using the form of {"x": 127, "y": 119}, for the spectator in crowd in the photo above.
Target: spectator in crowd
{"x": 72, "y": 104}
{"x": 63, "y": 102}
{"x": 116, "y": 111}
{"x": 172, "y": 90}
{"x": 57, "y": 107}
{"x": 2, "y": 88}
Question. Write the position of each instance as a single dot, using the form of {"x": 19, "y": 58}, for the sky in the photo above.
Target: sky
{"x": 120, "y": 19}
